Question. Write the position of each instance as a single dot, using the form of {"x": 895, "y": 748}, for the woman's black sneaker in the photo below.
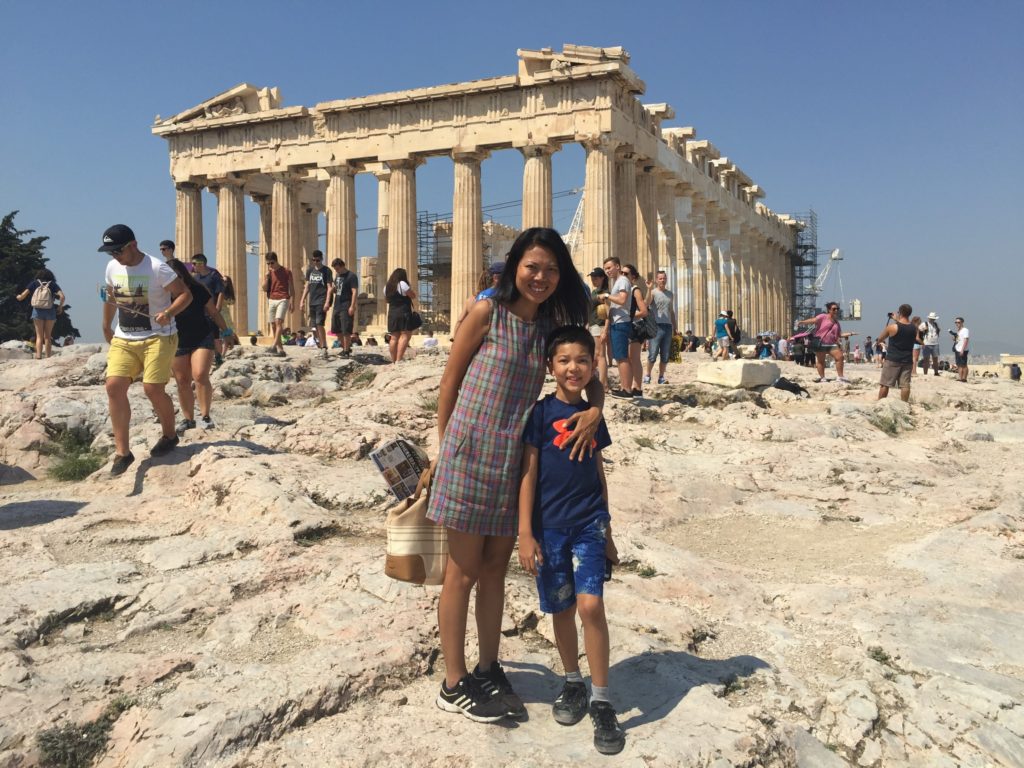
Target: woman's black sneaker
{"x": 638, "y": 393}
{"x": 609, "y": 738}
{"x": 621, "y": 394}
{"x": 471, "y": 700}
{"x": 121, "y": 463}
{"x": 494, "y": 682}
{"x": 163, "y": 446}
{"x": 571, "y": 705}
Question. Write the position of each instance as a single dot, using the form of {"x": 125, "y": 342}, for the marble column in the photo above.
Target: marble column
{"x": 712, "y": 281}
{"x": 684, "y": 261}
{"x": 745, "y": 309}
{"x": 625, "y": 204}
{"x": 402, "y": 242}
{"x": 468, "y": 227}
{"x": 599, "y": 216}
{"x": 536, "y": 189}
{"x": 285, "y": 235}
{"x": 700, "y": 294}
{"x": 264, "y": 247}
{"x": 381, "y": 271}
{"x": 188, "y": 224}
{"x": 231, "y": 248}
{"x": 341, "y": 216}
{"x": 646, "y": 219}
{"x": 667, "y": 229}
{"x": 308, "y": 232}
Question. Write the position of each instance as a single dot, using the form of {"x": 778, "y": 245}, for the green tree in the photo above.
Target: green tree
{"x": 20, "y": 258}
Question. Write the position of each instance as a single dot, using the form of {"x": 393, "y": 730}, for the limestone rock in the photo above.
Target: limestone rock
{"x": 744, "y": 374}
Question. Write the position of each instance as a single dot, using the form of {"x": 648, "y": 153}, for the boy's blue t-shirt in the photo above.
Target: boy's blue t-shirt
{"x": 568, "y": 492}
{"x": 721, "y": 330}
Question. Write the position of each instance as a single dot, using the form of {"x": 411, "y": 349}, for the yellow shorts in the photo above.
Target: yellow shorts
{"x": 151, "y": 357}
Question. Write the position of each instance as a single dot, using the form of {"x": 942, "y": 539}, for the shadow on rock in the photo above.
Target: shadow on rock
{"x": 12, "y": 475}
{"x": 654, "y": 683}
{"x": 23, "y": 514}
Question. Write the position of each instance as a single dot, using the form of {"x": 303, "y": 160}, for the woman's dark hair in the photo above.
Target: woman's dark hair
{"x": 398, "y": 276}
{"x": 45, "y": 275}
{"x": 570, "y": 303}
{"x": 181, "y": 271}
{"x": 568, "y": 334}
{"x": 629, "y": 270}
{"x": 229, "y": 289}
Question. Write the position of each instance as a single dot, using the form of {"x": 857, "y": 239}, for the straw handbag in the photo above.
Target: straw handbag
{"x": 417, "y": 548}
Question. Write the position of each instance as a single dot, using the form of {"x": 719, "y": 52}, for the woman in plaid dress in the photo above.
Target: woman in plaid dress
{"x": 494, "y": 375}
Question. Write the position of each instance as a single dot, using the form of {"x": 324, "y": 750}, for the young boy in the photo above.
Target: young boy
{"x": 565, "y": 536}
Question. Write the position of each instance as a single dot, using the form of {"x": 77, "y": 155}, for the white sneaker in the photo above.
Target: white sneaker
{"x": 205, "y": 422}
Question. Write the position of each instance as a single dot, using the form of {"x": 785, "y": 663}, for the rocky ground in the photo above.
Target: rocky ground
{"x": 814, "y": 582}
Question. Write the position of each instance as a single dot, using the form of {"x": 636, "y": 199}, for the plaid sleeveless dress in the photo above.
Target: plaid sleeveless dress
{"x": 476, "y": 483}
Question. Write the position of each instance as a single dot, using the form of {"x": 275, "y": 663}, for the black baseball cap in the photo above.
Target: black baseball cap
{"x": 596, "y": 272}
{"x": 117, "y": 236}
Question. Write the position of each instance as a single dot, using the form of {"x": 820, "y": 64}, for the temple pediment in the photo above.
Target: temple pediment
{"x": 243, "y": 99}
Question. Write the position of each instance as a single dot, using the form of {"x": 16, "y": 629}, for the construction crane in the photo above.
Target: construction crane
{"x": 818, "y": 286}
{"x": 574, "y": 237}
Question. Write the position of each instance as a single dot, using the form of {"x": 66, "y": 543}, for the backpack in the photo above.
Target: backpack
{"x": 42, "y": 297}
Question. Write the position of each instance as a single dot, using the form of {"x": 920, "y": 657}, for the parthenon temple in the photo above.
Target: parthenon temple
{"x": 653, "y": 195}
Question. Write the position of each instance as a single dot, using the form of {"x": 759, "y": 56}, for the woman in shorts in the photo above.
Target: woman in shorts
{"x": 197, "y": 324}
{"x": 399, "y": 295}
{"x": 43, "y": 318}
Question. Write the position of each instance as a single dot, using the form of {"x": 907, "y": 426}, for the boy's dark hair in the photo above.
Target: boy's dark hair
{"x": 568, "y": 334}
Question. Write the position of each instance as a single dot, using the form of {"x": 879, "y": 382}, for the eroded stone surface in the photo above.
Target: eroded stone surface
{"x": 789, "y": 594}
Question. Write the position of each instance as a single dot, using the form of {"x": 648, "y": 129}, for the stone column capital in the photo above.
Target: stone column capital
{"x": 343, "y": 169}
{"x": 187, "y": 186}
{"x": 599, "y": 141}
{"x": 259, "y": 198}
{"x": 545, "y": 149}
{"x": 470, "y": 156}
{"x": 286, "y": 177}
{"x": 228, "y": 180}
{"x": 410, "y": 163}
{"x": 625, "y": 153}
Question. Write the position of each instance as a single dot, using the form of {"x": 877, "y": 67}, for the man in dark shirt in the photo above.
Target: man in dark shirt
{"x": 343, "y": 292}
{"x": 899, "y": 361}
{"x": 318, "y": 278}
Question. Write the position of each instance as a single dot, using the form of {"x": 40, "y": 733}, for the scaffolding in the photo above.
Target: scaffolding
{"x": 805, "y": 266}
{"x": 432, "y": 269}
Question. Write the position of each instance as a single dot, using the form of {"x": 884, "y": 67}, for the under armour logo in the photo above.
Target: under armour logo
{"x": 562, "y": 428}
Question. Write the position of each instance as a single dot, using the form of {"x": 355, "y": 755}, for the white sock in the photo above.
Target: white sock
{"x": 599, "y": 693}
{"x": 573, "y": 677}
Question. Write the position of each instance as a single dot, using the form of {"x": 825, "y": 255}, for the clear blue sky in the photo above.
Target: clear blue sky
{"x": 900, "y": 123}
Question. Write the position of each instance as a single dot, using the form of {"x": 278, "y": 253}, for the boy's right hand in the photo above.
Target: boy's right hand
{"x": 530, "y": 555}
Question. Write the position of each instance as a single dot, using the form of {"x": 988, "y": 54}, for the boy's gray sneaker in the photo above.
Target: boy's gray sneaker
{"x": 495, "y": 684}
{"x": 609, "y": 738}
{"x": 571, "y": 705}
{"x": 184, "y": 425}
{"x": 206, "y": 422}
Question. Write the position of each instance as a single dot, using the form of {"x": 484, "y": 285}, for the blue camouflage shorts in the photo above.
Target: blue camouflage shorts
{"x": 573, "y": 564}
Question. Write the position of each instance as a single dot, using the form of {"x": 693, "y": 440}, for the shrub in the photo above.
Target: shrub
{"x": 74, "y": 459}
{"x": 76, "y": 746}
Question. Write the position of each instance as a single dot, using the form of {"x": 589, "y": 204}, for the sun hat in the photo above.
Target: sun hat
{"x": 496, "y": 268}
{"x": 932, "y": 316}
